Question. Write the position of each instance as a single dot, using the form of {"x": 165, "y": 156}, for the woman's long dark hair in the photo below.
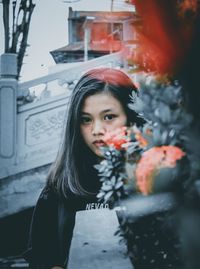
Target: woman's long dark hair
{"x": 73, "y": 171}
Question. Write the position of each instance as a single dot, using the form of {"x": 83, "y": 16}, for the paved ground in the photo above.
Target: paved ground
{"x": 94, "y": 243}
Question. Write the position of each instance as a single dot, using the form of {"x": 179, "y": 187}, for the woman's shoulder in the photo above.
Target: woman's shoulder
{"x": 47, "y": 193}
{"x": 47, "y": 202}
{"x": 49, "y": 197}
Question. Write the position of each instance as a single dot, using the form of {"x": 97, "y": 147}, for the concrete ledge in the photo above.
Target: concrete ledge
{"x": 21, "y": 191}
{"x": 94, "y": 244}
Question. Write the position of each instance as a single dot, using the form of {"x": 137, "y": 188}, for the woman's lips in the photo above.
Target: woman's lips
{"x": 99, "y": 143}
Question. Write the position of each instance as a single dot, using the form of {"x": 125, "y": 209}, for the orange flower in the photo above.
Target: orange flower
{"x": 117, "y": 138}
{"x": 151, "y": 162}
{"x": 138, "y": 135}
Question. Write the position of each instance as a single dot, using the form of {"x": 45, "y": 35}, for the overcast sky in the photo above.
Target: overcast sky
{"x": 48, "y": 31}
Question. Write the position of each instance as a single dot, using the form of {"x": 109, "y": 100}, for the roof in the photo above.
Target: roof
{"x": 119, "y": 16}
{"x": 93, "y": 46}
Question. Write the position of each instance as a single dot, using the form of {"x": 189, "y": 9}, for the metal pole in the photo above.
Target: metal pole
{"x": 86, "y": 44}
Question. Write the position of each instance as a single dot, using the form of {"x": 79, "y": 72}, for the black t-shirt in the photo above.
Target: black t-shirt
{"x": 52, "y": 229}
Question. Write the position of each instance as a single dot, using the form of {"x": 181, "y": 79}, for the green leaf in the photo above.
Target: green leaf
{"x": 119, "y": 185}
{"x": 108, "y": 195}
{"x": 106, "y": 187}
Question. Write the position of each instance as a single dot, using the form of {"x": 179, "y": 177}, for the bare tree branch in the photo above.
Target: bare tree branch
{"x": 13, "y": 22}
{"x": 18, "y": 42}
{"x": 26, "y": 25}
{"x": 6, "y": 4}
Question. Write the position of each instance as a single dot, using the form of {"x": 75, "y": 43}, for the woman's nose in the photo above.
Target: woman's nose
{"x": 98, "y": 128}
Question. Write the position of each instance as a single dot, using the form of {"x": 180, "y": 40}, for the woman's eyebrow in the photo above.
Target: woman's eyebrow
{"x": 112, "y": 110}
{"x": 107, "y": 110}
{"x": 102, "y": 112}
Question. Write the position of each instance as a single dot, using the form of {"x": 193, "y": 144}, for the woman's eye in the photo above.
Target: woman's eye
{"x": 109, "y": 117}
{"x": 85, "y": 120}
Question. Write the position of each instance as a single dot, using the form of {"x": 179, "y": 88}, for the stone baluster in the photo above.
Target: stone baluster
{"x": 8, "y": 109}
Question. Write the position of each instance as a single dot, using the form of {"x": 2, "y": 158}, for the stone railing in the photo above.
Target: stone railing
{"x": 38, "y": 125}
{"x": 63, "y": 81}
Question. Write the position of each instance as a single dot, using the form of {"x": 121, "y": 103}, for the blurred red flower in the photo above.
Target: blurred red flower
{"x": 117, "y": 138}
{"x": 151, "y": 162}
{"x": 139, "y": 137}
{"x": 164, "y": 34}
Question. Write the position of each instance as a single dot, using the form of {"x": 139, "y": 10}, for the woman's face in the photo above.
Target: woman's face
{"x": 100, "y": 113}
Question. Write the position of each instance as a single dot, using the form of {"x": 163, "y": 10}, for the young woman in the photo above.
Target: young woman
{"x": 99, "y": 103}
